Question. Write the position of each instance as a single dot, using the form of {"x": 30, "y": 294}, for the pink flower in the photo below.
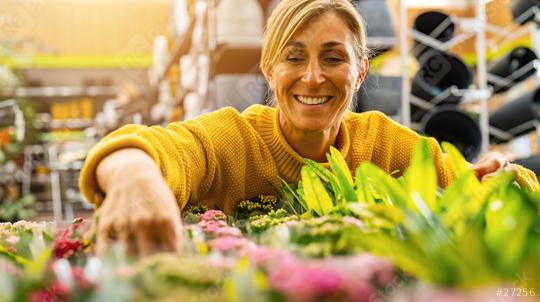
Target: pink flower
{"x": 224, "y": 244}
{"x": 362, "y": 292}
{"x": 213, "y": 215}
{"x": 265, "y": 256}
{"x": 211, "y": 226}
{"x": 41, "y": 296}
{"x": 12, "y": 239}
{"x": 229, "y": 231}
{"x": 324, "y": 280}
{"x": 289, "y": 280}
{"x": 59, "y": 290}
{"x": 81, "y": 280}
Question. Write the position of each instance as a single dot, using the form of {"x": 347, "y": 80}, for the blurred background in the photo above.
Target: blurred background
{"x": 71, "y": 71}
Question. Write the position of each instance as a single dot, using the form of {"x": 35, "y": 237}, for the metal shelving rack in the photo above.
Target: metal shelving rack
{"x": 480, "y": 93}
{"x": 509, "y": 33}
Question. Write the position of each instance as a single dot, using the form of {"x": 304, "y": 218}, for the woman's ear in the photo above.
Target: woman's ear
{"x": 269, "y": 78}
{"x": 364, "y": 66}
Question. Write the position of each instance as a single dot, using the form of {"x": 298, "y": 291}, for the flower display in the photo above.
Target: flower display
{"x": 375, "y": 238}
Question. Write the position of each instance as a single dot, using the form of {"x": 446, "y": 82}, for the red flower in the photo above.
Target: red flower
{"x": 59, "y": 290}
{"x": 80, "y": 279}
{"x": 42, "y": 296}
{"x": 65, "y": 247}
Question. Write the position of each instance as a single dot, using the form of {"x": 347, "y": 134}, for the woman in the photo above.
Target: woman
{"x": 314, "y": 58}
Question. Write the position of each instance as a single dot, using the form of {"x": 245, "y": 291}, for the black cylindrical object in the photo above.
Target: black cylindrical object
{"x": 448, "y": 123}
{"x": 436, "y": 24}
{"x": 521, "y": 6}
{"x": 379, "y": 93}
{"x": 515, "y": 113}
{"x": 438, "y": 72}
{"x": 532, "y": 163}
{"x": 509, "y": 64}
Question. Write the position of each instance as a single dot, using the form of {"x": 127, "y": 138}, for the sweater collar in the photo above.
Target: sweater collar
{"x": 289, "y": 162}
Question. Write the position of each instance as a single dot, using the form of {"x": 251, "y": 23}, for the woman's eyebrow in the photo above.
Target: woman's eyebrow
{"x": 329, "y": 44}
{"x": 296, "y": 44}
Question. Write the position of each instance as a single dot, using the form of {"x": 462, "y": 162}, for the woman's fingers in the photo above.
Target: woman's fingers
{"x": 141, "y": 236}
{"x": 126, "y": 236}
{"x": 170, "y": 235}
{"x": 489, "y": 164}
{"x": 106, "y": 236}
{"x": 143, "y": 216}
{"x": 102, "y": 241}
{"x": 145, "y": 236}
{"x": 155, "y": 234}
{"x": 508, "y": 168}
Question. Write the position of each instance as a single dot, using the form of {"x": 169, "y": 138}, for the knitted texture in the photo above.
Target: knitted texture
{"x": 223, "y": 157}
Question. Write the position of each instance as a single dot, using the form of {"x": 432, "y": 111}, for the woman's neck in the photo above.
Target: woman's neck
{"x": 309, "y": 144}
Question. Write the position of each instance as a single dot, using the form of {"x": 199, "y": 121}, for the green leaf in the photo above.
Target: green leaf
{"x": 288, "y": 191}
{"x": 470, "y": 200}
{"x": 363, "y": 190}
{"x": 327, "y": 177}
{"x": 458, "y": 164}
{"x": 421, "y": 176}
{"x": 386, "y": 186}
{"x": 316, "y": 197}
{"x": 509, "y": 219}
{"x": 36, "y": 268}
{"x": 377, "y": 215}
{"x": 17, "y": 259}
{"x": 343, "y": 174}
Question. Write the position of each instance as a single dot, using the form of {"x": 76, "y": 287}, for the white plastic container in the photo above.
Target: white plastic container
{"x": 239, "y": 22}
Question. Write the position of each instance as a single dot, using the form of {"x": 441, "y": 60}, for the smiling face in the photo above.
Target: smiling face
{"x": 316, "y": 75}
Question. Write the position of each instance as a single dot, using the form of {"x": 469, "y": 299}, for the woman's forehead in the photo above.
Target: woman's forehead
{"x": 329, "y": 29}
{"x": 322, "y": 39}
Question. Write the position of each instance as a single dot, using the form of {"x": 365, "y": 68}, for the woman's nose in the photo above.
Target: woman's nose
{"x": 313, "y": 75}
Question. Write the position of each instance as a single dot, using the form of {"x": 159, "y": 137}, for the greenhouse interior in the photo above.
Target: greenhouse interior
{"x": 269, "y": 150}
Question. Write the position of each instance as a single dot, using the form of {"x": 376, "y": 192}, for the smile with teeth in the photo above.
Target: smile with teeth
{"x": 312, "y": 100}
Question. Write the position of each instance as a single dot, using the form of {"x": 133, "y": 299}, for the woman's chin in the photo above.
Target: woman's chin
{"x": 312, "y": 125}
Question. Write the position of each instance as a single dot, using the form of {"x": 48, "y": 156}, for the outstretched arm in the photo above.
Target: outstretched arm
{"x": 139, "y": 210}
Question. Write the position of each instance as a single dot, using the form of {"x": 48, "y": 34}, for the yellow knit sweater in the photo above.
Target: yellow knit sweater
{"x": 223, "y": 157}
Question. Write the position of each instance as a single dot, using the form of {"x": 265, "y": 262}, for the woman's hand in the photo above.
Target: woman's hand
{"x": 139, "y": 210}
{"x": 488, "y": 165}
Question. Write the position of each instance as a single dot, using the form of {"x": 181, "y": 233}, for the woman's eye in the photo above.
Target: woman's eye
{"x": 294, "y": 59}
{"x": 333, "y": 60}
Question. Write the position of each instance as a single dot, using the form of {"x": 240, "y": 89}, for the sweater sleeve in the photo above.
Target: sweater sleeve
{"x": 182, "y": 151}
{"x": 526, "y": 178}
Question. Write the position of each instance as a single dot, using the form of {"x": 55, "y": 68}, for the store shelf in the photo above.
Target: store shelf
{"x": 71, "y": 124}
{"x": 78, "y": 61}
{"x": 180, "y": 48}
{"x": 59, "y": 91}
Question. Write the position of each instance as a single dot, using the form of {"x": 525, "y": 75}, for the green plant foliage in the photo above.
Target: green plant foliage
{"x": 343, "y": 174}
{"x": 468, "y": 234}
{"x": 19, "y": 209}
{"x": 316, "y": 196}
{"x": 421, "y": 176}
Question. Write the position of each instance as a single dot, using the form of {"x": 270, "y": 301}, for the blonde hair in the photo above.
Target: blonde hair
{"x": 290, "y": 15}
